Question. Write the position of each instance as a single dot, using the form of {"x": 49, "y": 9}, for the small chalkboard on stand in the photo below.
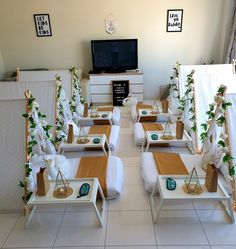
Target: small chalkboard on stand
{"x": 120, "y": 91}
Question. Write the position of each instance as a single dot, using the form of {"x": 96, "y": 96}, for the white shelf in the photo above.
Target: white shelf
{"x": 101, "y": 85}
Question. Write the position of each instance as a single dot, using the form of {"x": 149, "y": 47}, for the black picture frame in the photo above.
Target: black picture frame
{"x": 174, "y": 20}
{"x": 120, "y": 91}
{"x": 42, "y": 25}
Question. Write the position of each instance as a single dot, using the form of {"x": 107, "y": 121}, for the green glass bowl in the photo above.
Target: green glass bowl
{"x": 96, "y": 140}
{"x": 104, "y": 115}
{"x": 144, "y": 112}
{"x": 154, "y": 136}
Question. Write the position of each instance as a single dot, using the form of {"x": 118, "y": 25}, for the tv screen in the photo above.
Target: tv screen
{"x": 114, "y": 55}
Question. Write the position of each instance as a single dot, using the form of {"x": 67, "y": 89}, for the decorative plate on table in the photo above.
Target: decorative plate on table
{"x": 104, "y": 115}
{"x": 144, "y": 112}
{"x": 96, "y": 140}
{"x": 154, "y": 136}
{"x": 94, "y": 115}
{"x": 154, "y": 112}
{"x": 83, "y": 140}
{"x": 167, "y": 137}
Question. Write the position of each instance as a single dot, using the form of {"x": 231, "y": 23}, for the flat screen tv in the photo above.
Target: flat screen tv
{"x": 114, "y": 55}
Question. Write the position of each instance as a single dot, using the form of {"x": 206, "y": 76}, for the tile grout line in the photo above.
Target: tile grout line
{"x": 153, "y": 225}
{"x": 105, "y": 239}
{"x": 201, "y": 224}
{"x": 13, "y": 226}
{"x": 59, "y": 228}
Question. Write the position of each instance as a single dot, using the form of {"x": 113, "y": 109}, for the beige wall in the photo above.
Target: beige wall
{"x": 75, "y": 22}
{"x": 2, "y": 69}
{"x": 225, "y": 32}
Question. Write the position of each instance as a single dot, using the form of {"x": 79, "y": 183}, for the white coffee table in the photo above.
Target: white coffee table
{"x": 185, "y": 140}
{"x": 103, "y": 144}
{"x": 146, "y": 113}
{"x": 178, "y": 194}
{"x": 75, "y": 184}
{"x": 102, "y": 116}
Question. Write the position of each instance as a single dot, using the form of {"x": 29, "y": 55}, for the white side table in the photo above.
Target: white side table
{"x": 186, "y": 139}
{"x": 75, "y": 184}
{"x": 143, "y": 113}
{"x": 105, "y": 117}
{"x": 179, "y": 194}
{"x": 103, "y": 144}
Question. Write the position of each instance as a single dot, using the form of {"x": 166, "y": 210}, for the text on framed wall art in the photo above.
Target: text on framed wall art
{"x": 174, "y": 20}
{"x": 42, "y": 25}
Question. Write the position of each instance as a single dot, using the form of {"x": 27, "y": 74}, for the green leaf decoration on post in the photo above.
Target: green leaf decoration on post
{"x": 32, "y": 107}
{"x": 217, "y": 112}
{"x": 76, "y": 90}
{"x": 189, "y": 97}
{"x": 59, "y": 136}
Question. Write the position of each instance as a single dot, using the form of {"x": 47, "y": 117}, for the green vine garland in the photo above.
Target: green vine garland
{"x": 176, "y": 70}
{"x": 173, "y": 86}
{"x": 221, "y": 103}
{"x": 77, "y": 90}
{"x": 32, "y": 107}
{"x": 189, "y": 96}
{"x": 24, "y": 183}
{"x": 59, "y": 115}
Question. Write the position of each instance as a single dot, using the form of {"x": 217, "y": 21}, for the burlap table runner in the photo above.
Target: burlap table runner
{"x": 105, "y": 109}
{"x": 152, "y": 127}
{"x": 101, "y": 129}
{"x": 90, "y": 167}
{"x": 143, "y": 106}
{"x": 169, "y": 164}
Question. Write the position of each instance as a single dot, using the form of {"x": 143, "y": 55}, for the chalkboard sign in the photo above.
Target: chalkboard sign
{"x": 120, "y": 91}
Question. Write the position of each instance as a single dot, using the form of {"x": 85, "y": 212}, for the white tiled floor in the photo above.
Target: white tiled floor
{"x": 129, "y": 225}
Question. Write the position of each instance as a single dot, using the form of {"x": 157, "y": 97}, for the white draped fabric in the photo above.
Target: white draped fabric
{"x": 173, "y": 96}
{"x": 207, "y": 79}
{"x": 79, "y": 108}
{"x": 200, "y": 70}
{"x": 44, "y": 145}
{"x": 231, "y": 119}
{"x": 12, "y": 148}
{"x": 67, "y": 115}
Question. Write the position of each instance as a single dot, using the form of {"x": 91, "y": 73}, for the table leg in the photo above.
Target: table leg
{"x": 28, "y": 214}
{"x": 104, "y": 150}
{"x": 229, "y": 209}
{"x": 106, "y": 145}
{"x": 147, "y": 147}
{"x": 155, "y": 210}
{"x": 100, "y": 215}
{"x": 190, "y": 147}
{"x": 142, "y": 148}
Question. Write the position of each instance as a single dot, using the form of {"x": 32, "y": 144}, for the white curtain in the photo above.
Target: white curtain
{"x": 207, "y": 79}
{"x": 231, "y": 118}
{"x": 231, "y": 52}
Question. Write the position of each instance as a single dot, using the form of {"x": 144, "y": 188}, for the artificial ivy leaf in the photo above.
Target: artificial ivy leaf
{"x": 21, "y": 184}
{"x": 231, "y": 171}
{"x": 221, "y": 143}
{"x": 227, "y": 158}
{"x": 204, "y": 126}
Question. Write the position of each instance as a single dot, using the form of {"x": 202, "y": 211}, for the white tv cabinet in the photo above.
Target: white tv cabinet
{"x": 101, "y": 85}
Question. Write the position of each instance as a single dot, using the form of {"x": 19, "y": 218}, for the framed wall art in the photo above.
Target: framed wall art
{"x": 42, "y": 25}
{"x": 174, "y": 20}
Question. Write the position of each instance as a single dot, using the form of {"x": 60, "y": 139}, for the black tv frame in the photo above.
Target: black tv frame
{"x": 114, "y": 69}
